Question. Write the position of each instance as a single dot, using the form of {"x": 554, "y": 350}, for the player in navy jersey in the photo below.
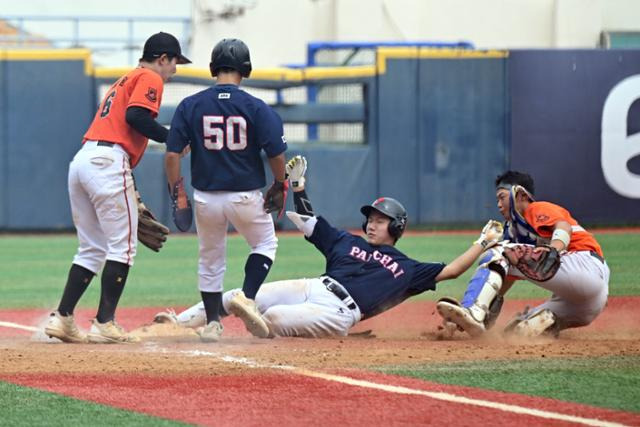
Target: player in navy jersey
{"x": 363, "y": 276}
{"x": 226, "y": 129}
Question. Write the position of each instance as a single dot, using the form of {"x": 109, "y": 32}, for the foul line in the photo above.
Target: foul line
{"x": 18, "y": 326}
{"x": 447, "y": 397}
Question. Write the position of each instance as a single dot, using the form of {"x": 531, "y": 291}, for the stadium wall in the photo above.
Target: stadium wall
{"x": 440, "y": 125}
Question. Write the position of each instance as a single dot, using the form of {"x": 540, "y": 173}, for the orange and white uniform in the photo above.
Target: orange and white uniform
{"x": 101, "y": 190}
{"x": 581, "y": 285}
{"x": 139, "y": 88}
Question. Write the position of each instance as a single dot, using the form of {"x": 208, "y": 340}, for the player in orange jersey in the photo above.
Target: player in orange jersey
{"x": 102, "y": 194}
{"x": 579, "y": 288}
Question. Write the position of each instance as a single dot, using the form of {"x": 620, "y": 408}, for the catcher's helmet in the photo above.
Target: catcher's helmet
{"x": 391, "y": 208}
{"x": 231, "y": 53}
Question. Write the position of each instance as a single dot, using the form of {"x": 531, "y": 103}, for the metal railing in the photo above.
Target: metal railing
{"x": 75, "y": 34}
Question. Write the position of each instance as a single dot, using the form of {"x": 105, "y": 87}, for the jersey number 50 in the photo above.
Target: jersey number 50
{"x": 233, "y": 131}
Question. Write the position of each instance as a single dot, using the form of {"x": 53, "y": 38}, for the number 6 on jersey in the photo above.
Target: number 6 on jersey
{"x": 214, "y": 135}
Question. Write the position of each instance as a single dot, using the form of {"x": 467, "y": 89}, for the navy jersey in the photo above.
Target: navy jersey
{"x": 376, "y": 277}
{"x": 226, "y": 128}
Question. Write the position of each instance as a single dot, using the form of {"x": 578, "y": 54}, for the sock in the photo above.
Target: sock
{"x": 255, "y": 271}
{"x": 77, "y": 282}
{"x": 212, "y": 304}
{"x": 114, "y": 277}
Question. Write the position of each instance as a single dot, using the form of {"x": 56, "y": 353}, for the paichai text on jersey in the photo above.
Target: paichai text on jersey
{"x": 386, "y": 260}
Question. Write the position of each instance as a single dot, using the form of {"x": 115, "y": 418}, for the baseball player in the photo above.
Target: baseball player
{"x": 579, "y": 287}
{"x": 102, "y": 195}
{"x": 363, "y": 277}
{"x": 227, "y": 129}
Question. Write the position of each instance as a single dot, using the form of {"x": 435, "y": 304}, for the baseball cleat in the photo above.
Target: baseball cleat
{"x": 533, "y": 325}
{"x": 109, "y": 333}
{"x": 246, "y": 310}
{"x": 64, "y": 328}
{"x": 461, "y": 316}
{"x": 212, "y": 332}
{"x": 168, "y": 316}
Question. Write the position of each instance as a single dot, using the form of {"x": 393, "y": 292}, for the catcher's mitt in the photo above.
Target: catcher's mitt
{"x": 538, "y": 265}
{"x": 181, "y": 206}
{"x": 151, "y": 232}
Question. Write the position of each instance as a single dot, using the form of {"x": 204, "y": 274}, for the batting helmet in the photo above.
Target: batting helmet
{"x": 391, "y": 208}
{"x": 231, "y": 53}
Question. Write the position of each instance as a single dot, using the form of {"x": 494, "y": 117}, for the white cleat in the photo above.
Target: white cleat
{"x": 64, "y": 328}
{"x": 461, "y": 316}
{"x": 533, "y": 325}
{"x": 168, "y": 316}
{"x": 246, "y": 310}
{"x": 109, "y": 333}
{"x": 212, "y": 332}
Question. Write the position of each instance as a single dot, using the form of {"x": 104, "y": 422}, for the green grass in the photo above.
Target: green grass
{"x": 34, "y": 268}
{"x": 608, "y": 382}
{"x": 24, "y": 406}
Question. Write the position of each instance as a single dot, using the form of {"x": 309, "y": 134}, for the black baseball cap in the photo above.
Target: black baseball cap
{"x": 161, "y": 43}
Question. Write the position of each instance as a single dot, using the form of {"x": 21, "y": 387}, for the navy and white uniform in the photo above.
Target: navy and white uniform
{"x": 360, "y": 281}
{"x": 227, "y": 130}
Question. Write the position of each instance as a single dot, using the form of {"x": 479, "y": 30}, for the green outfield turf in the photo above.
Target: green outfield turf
{"x": 607, "y": 382}
{"x": 24, "y": 406}
{"x": 34, "y": 268}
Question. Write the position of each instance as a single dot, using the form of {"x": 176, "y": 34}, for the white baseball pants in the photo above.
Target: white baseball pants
{"x": 103, "y": 205}
{"x": 580, "y": 289}
{"x": 291, "y": 308}
{"x": 304, "y": 308}
{"x": 214, "y": 210}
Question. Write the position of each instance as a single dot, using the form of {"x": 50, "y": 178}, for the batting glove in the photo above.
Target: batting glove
{"x": 296, "y": 168}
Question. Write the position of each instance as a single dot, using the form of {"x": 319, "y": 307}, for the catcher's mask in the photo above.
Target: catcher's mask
{"x": 391, "y": 208}
{"x": 231, "y": 53}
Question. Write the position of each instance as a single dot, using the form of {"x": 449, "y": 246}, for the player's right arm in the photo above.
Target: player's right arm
{"x": 177, "y": 142}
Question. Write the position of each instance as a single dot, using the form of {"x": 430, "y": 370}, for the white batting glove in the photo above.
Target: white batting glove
{"x": 490, "y": 235}
{"x": 296, "y": 168}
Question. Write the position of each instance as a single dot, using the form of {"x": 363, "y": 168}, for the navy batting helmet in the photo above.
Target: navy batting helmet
{"x": 231, "y": 53}
{"x": 391, "y": 208}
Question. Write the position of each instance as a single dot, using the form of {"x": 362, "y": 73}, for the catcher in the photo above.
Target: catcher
{"x": 544, "y": 244}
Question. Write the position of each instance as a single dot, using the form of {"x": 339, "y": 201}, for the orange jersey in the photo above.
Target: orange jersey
{"x": 543, "y": 216}
{"x": 139, "y": 88}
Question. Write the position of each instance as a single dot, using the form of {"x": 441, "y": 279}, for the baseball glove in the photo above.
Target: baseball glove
{"x": 276, "y": 197}
{"x": 181, "y": 206}
{"x": 151, "y": 232}
{"x": 538, "y": 265}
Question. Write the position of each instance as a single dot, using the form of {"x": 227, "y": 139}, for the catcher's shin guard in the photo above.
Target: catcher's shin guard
{"x": 533, "y": 324}
{"x": 484, "y": 287}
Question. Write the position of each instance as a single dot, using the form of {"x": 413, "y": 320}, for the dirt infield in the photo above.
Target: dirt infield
{"x": 248, "y": 381}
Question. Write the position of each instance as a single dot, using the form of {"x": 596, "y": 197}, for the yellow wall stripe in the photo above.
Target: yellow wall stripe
{"x": 50, "y": 55}
{"x": 278, "y": 74}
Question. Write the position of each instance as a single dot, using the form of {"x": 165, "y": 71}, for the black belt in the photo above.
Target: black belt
{"x": 597, "y": 256}
{"x": 105, "y": 144}
{"x": 338, "y": 290}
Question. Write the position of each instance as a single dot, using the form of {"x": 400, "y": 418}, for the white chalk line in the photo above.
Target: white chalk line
{"x": 18, "y": 326}
{"x": 447, "y": 397}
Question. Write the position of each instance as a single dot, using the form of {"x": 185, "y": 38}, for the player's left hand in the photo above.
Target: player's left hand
{"x": 151, "y": 232}
{"x": 276, "y": 197}
{"x": 491, "y": 234}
